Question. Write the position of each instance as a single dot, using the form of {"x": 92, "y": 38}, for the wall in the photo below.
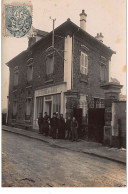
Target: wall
{"x": 25, "y": 88}
{"x": 91, "y": 83}
{"x": 119, "y": 124}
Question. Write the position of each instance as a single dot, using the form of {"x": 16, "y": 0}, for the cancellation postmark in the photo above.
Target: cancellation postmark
{"x": 17, "y": 20}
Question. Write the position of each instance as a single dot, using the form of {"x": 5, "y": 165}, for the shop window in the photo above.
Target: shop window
{"x": 28, "y": 108}
{"x": 29, "y": 72}
{"x": 56, "y": 103}
{"x": 16, "y": 76}
{"x": 14, "y": 112}
{"x": 84, "y": 63}
{"x": 39, "y": 106}
{"x": 103, "y": 72}
{"x": 49, "y": 64}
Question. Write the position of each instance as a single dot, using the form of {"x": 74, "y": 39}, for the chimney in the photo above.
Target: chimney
{"x": 99, "y": 37}
{"x": 83, "y": 16}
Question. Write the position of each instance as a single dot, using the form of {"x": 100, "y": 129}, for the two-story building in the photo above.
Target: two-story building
{"x": 65, "y": 77}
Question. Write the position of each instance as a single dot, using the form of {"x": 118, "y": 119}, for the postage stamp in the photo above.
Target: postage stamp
{"x": 17, "y": 20}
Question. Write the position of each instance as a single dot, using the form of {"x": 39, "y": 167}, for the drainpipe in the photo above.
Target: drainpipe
{"x": 73, "y": 56}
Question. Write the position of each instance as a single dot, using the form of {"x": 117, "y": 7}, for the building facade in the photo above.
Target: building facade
{"x": 66, "y": 77}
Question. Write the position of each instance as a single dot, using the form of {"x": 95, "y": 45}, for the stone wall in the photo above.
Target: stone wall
{"x": 26, "y": 89}
{"x": 119, "y": 124}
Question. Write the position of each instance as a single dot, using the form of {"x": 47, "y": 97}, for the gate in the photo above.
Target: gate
{"x": 96, "y": 124}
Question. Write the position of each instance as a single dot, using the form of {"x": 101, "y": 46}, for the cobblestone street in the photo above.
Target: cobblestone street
{"x": 28, "y": 162}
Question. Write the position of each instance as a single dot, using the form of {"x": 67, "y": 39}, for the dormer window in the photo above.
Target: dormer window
{"x": 84, "y": 63}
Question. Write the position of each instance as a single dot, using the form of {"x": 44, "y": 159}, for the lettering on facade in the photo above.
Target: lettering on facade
{"x": 50, "y": 90}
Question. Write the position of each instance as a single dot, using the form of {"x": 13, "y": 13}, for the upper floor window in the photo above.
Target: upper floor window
{"x": 49, "y": 64}
{"x": 84, "y": 63}
{"x": 103, "y": 72}
{"x": 29, "y": 72}
{"x": 16, "y": 76}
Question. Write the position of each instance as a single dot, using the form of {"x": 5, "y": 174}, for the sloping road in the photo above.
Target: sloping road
{"x": 31, "y": 163}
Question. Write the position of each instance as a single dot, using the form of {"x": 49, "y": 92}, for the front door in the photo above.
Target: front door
{"x": 48, "y": 108}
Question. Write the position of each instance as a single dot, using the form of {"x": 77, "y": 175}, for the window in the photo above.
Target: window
{"x": 14, "y": 113}
{"x": 16, "y": 76}
{"x": 39, "y": 106}
{"x": 56, "y": 103}
{"x": 103, "y": 72}
{"x": 29, "y": 72}
{"x": 84, "y": 63}
{"x": 28, "y": 108}
{"x": 49, "y": 64}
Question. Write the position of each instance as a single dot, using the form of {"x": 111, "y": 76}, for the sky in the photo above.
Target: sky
{"x": 106, "y": 16}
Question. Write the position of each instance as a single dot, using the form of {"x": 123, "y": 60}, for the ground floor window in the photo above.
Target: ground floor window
{"x": 14, "y": 111}
{"x": 28, "y": 108}
{"x": 49, "y": 104}
{"x": 39, "y": 106}
{"x": 56, "y": 103}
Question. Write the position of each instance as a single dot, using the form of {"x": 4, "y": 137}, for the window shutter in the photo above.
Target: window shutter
{"x": 86, "y": 64}
{"x": 81, "y": 62}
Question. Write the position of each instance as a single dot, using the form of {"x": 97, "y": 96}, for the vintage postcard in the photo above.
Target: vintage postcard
{"x": 63, "y": 93}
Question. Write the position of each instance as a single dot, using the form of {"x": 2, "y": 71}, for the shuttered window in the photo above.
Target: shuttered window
{"x": 84, "y": 63}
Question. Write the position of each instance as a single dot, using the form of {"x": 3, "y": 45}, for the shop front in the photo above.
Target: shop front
{"x": 50, "y": 100}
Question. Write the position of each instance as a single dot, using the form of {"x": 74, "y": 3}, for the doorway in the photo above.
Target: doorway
{"x": 48, "y": 108}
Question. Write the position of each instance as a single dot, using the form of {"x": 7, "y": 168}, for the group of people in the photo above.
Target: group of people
{"x": 57, "y": 128}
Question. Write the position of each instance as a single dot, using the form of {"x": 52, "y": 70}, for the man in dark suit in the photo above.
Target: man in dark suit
{"x": 46, "y": 124}
{"x": 40, "y": 123}
{"x": 54, "y": 125}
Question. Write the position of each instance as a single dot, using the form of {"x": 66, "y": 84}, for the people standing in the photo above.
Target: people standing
{"x": 46, "y": 124}
{"x": 54, "y": 125}
{"x": 61, "y": 127}
{"x": 74, "y": 127}
{"x": 68, "y": 128}
{"x": 40, "y": 123}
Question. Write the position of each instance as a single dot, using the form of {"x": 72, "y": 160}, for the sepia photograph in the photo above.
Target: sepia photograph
{"x": 63, "y": 75}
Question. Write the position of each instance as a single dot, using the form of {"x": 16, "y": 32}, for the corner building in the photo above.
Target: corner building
{"x": 64, "y": 78}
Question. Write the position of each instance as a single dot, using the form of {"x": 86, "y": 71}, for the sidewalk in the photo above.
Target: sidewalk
{"x": 92, "y": 148}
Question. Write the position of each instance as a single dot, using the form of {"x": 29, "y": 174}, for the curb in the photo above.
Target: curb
{"x": 58, "y": 146}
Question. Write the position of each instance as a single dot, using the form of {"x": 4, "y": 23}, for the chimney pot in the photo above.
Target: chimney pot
{"x": 83, "y": 16}
{"x": 99, "y": 37}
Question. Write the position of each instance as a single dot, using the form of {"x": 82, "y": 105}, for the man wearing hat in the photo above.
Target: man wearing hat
{"x": 40, "y": 123}
{"x": 61, "y": 127}
{"x": 46, "y": 124}
{"x": 54, "y": 125}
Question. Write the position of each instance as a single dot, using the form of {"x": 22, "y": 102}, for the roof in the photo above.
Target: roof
{"x": 71, "y": 28}
{"x": 39, "y": 32}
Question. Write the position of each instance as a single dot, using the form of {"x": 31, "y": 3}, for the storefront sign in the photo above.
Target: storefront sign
{"x": 51, "y": 90}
